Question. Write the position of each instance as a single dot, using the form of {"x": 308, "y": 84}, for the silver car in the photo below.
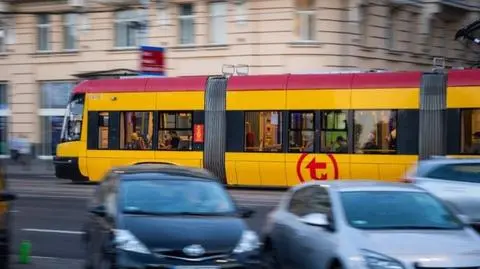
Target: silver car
{"x": 366, "y": 224}
{"x": 456, "y": 181}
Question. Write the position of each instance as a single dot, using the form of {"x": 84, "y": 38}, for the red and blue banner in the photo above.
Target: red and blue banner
{"x": 152, "y": 62}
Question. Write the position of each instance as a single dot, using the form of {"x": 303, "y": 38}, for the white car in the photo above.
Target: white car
{"x": 456, "y": 181}
{"x": 366, "y": 225}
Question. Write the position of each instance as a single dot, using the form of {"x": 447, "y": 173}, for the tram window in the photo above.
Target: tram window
{"x": 301, "y": 132}
{"x": 375, "y": 131}
{"x": 175, "y": 131}
{"x": 470, "y": 140}
{"x": 334, "y": 131}
{"x": 136, "y": 130}
{"x": 263, "y": 131}
{"x": 103, "y": 118}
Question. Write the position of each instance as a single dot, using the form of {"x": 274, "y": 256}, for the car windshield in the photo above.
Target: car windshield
{"x": 175, "y": 197}
{"x": 396, "y": 210}
{"x": 462, "y": 172}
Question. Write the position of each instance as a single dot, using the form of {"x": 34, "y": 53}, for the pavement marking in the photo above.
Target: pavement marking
{"x": 51, "y": 231}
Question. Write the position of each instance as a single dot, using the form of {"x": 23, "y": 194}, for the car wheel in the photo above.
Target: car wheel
{"x": 269, "y": 258}
{"x": 105, "y": 264}
{"x": 4, "y": 263}
{"x": 337, "y": 266}
{"x": 5, "y": 255}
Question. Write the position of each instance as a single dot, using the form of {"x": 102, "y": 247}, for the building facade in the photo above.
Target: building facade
{"x": 44, "y": 45}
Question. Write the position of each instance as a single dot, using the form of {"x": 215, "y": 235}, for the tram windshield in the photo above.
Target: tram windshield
{"x": 72, "y": 123}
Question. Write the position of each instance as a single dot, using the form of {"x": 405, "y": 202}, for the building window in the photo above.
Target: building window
{"x": 217, "y": 23}
{"x": 301, "y": 132}
{"x": 334, "y": 132}
{"x": 175, "y": 131}
{"x": 186, "y": 23}
{"x": 4, "y": 135}
{"x": 4, "y": 113}
{"x": 162, "y": 13}
{"x": 414, "y": 32}
{"x": 69, "y": 31}
{"x": 43, "y": 32}
{"x": 54, "y": 97}
{"x": 445, "y": 41}
{"x": 241, "y": 13}
{"x": 263, "y": 131}
{"x": 390, "y": 30}
{"x": 470, "y": 140}
{"x": 3, "y": 96}
{"x": 305, "y": 20}
{"x": 375, "y": 131}
{"x": 51, "y": 130}
{"x": 3, "y": 37}
{"x": 136, "y": 130}
{"x": 363, "y": 23}
{"x": 126, "y": 34}
{"x": 103, "y": 120}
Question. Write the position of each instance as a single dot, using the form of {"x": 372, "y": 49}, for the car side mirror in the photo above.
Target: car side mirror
{"x": 316, "y": 219}
{"x": 98, "y": 211}
{"x": 464, "y": 218}
{"x": 6, "y": 197}
{"x": 246, "y": 213}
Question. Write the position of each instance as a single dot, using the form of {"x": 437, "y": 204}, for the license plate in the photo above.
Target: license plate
{"x": 196, "y": 267}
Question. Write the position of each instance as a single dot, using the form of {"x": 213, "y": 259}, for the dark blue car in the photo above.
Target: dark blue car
{"x": 164, "y": 216}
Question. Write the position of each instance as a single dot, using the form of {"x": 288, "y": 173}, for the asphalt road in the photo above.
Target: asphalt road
{"x": 49, "y": 213}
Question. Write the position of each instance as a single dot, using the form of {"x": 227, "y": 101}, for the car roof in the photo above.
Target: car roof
{"x": 364, "y": 185}
{"x": 163, "y": 171}
{"x": 445, "y": 160}
{"x": 425, "y": 166}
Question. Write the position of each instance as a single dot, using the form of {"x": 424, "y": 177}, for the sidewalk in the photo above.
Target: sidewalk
{"x": 38, "y": 168}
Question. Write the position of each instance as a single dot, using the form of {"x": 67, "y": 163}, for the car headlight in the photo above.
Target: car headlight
{"x": 125, "y": 240}
{"x": 248, "y": 242}
{"x": 378, "y": 261}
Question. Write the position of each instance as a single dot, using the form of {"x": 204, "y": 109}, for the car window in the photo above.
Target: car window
{"x": 312, "y": 199}
{"x": 110, "y": 194}
{"x": 396, "y": 210}
{"x": 464, "y": 172}
{"x": 175, "y": 196}
{"x": 3, "y": 205}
